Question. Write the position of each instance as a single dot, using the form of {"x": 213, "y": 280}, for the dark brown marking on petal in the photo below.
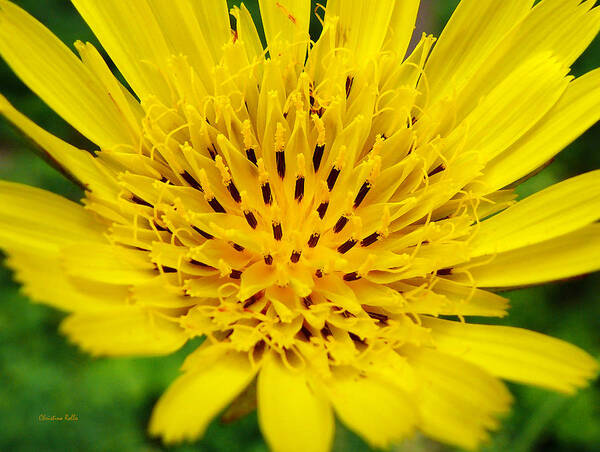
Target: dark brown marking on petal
{"x": 351, "y": 276}
{"x": 233, "y": 191}
{"x": 332, "y": 178}
{"x": 299, "y": 191}
{"x": 341, "y": 223}
{"x": 206, "y": 235}
{"x": 318, "y": 156}
{"x": 314, "y": 240}
{"x": 295, "y": 257}
{"x": 190, "y": 180}
{"x": 251, "y": 219}
{"x": 362, "y": 193}
{"x": 370, "y": 239}
{"x": 346, "y": 246}
{"x": 216, "y": 205}
{"x": 322, "y": 209}
{"x": 280, "y": 162}
{"x": 251, "y": 155}
{"x": 266, "y": 193}
{"x": 277, "y": 231}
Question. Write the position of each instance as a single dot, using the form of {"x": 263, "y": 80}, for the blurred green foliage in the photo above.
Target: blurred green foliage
{"x": 41, "y": 374}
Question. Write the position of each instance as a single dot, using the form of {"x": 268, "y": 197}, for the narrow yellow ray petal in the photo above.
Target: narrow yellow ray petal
{"x": 576, "y": 111}
{"x": 45, "y": 281}
{"x": 39, "y": 221}
{"x": 110, "y": 264}
{"x": 132, "y": 37}
{"x": 475, "y": 28}
{"x": 401, "y": 27}
{"x": 247, "y": 32}
{"x": 458, "y": 401}
{"x": 515, "y": 354}
{"x": 292, "y": 417}
{"x": 562, "y": 257}
{"x": 286, "y": 20}
{"x": 363, "y": 38}
{"x": 378, "y": 411}
{"x": 55, "y": 74}
{"x": 190, "y": 403}
{"x": 77, "y": 163}
{"x": 127, "y": 331}
{"x": 515, "y": 105}
{"x": 557, "y": 210}
{"x": 213, "y": 21}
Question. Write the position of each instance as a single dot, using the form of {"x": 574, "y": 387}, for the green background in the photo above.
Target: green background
{"x": 40, "y": 373}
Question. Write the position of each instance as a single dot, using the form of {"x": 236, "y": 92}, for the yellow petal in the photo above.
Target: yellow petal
{"x": 106, "y": 263}
{"x": 401, "y": 27}
{"x": 473, "y": 31}
{"x": 375, "y": 409}
{"x": 133, "y": 39}
{"x": 45, "y": 281}
{"x": 55, "y": 74}
{"x": 292, "y": 417}
{"x": 39, "y": 221}
{"x": 515, "y": 105}
{"x": 557, "y": 210}
{"x": 458, "y": 401}
{"x": 515, "y": 354}
{"x": 123, "y": 332}
{"x": 190, "y": 403}
{"x": 364, "y": 38}
{"x": 576, "y": 111}
{"x": 247, "y": 32}
{"x": 562, "y": 257}
{"x": 213, "y": 22}
{"x": 286, "y": 20}
{"x": 77, "y": 163}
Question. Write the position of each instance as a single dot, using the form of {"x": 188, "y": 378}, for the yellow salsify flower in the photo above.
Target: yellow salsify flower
{"x": 326, "y": 214}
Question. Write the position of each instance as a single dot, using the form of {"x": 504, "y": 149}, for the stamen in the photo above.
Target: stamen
{"x": 436, "y": 170}
{"x": 341, "y": 223}
{"x": 212, "y": 151}
{"x": 299, "y": 191}
{"x": 268, "y": 259}
{"x": 277, "y": 231}
{"x": 249, "y": 142}
{"x": 235, "y": 274}
{"x": 314, "y": 240}
{"x": 200, "y": 264}
{"x": 307, "y": 301}
{"x": 136, "y": 199}
{"x": 216, "y": 205}
{"x": 319, "y": 273}
{"x": 332, "y": 178}
{"x": 444, "y": 272}
{"x": 346, "y": 246}
{"x": 369, "y": 240}
{"x": 251, "y": 219}
{"x": 253, "y": 299}
{"x": 251, "y": 155}
{"x": 349, "y": 83}
{"x": 351, "y": 276}
{"x": 295, "y": 257}
{"x": 238, "y": 247}
{"x": 322, "y": 209}
{"x": 206, "y": 235}
{"x": 166, "y": 269}
{"x": 381, "y": 317}
{"x": 366, "y": 186}
{"x": 280, "y": 150}
{"x": 190, "y": 180}
{"x": 233, "y": 191}
{"x": 266, "y": 193}
{"x": 320, "y": 147}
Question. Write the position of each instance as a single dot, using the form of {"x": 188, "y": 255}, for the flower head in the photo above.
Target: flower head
{"x": 313, "y": 208}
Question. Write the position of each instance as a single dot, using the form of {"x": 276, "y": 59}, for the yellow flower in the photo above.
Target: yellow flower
{"x": 314, "y": 209}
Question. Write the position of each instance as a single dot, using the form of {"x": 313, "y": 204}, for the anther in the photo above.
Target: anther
{"x": 212, "y": 151}
{"x": 444, "y": 271}
{"x": 216, "y": 205}
{"x": 206, "y": 235}
{"x": 299, "y": 191}
{"x": 280, "y": 161}
{"x": 280, "y": 150}
{"x": 314, "y": 240}
{"x": 166, "y": 269}
{"x": 295, "y": 257}
{"x": 332, "y": 178}
{"x": 318, "y": 156}
{"x": 249, "y": 142}
{"x": 238, "y": 247}
{"x": 307, "y": 301}
{"x": 436, "y": 170}
{"x": 326, "y": 332}
{"x": 233, "y": 191}
{"x": 251, "y": 155}
{"x": 253, "y": 299}
{"x": 351, "y": 276}
{"x": 341, "y": 223}
{"x": 235, "y": 274}
{"x": 136, "y": 199}
{"x": 320, "y": 147}
{"x": 319, "y": 273}
{"x": 346, "y": 246}
{"x": 349, "y": 83}
{"x": 277, "y": 231}
{"x": 380, "y": 317}
{"x": 190, "y": 180}
{"x": 366, "y": 186}
{"x": 268, "y": 259}
{"x": 370, "y": 239}
{"x": 322, "y": 209}
{"x": 251, "y": 219}
{"x": 199, "y": 264}
{"x": 266, "y": 193}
